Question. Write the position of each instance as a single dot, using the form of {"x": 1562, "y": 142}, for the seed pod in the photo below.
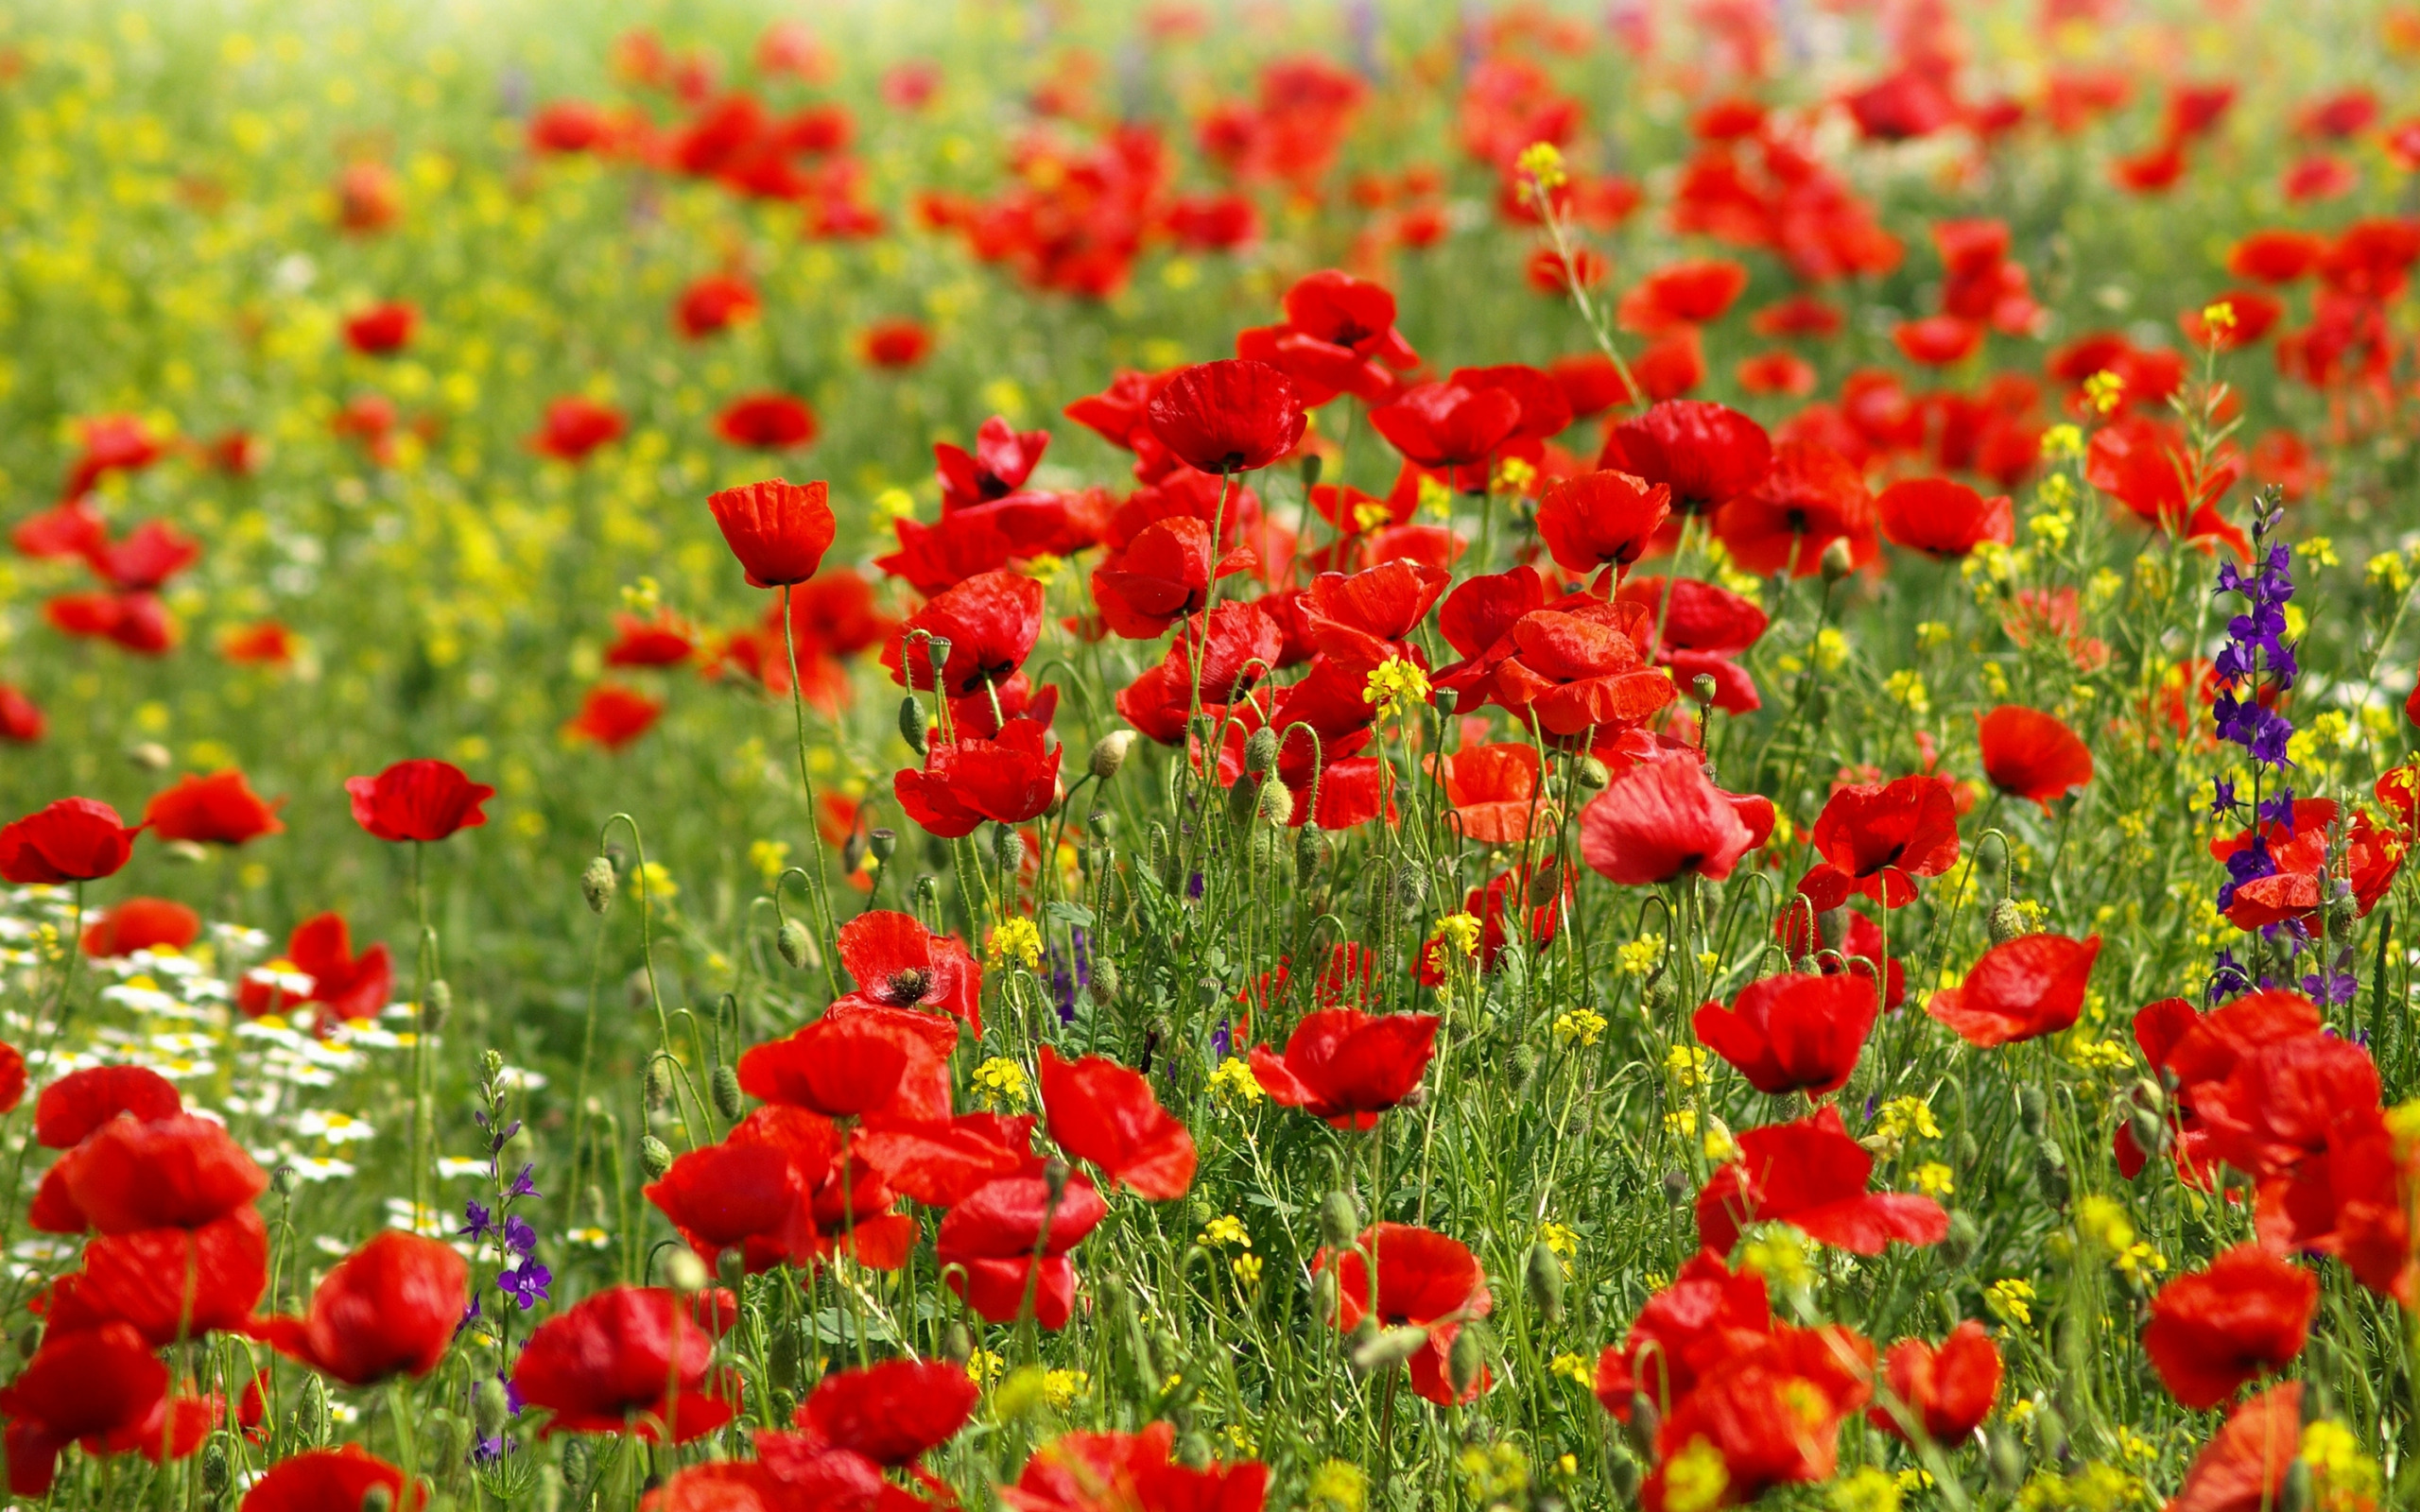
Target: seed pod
{"x": 656, "y": 1084}
{"x": 1260, "y": 751}
{"x": 489, "y": 1408}
{"x": 884, "y": 844}
{"x": 1193, "y": 1449}
{"x": 726, "y": 1085}
{"x": 2007, "y": 921}
{"x": 1110, "y": 752}
{"x": 1340, "y": 1220}
{"x": 1387, "y": 1349}
{"x": 1276, "y": 804}
{"x": 937, "y": 656}
{"x": 2007, "y": 1456}
{"x": 1465, "y": 1361}
{"x": 283, "y": 1179}
{"x": 958, "y": 1344}
{"x": 1545, "y": 1281}
{"x": 1701, "y": 688}
{"x": 912, "y": 723}
{"x": 597, "y": 883}
{"x": 2033, "y": 1111}
{"x": 1836, "y": 561}
{"x": 654, "y": 1156}
{"x": 796, "y": 945}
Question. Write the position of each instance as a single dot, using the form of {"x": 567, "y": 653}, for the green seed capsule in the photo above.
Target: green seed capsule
{"x": 597, "y": 883}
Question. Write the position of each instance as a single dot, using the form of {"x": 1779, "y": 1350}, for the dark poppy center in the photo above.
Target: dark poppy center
{"x": 911, "y": 985}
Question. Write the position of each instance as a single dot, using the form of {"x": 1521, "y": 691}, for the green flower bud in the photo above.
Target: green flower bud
{"x": 1387, "y": 1349}
{"x": 1644, "y": 1420}
{"x": 727, "y": 1099}
{"x": 1276, "y": 804}
{"x": 796, "y": 945}
{"x": 489, "y": 1408}
{"x": 2033, "y": 1111}
{"x": 597, "y": 883}
{"x": 1312, "y": 464}
{"x": 377, "y": 1499}
{"x": 655, "y": 1155}
{"x": 213, "y": 1467}
{"x": 1310, "y": 851}
{"x": 1104, "y": 982}
{"x": 1543, "y": 1278}
{"x": 1008, "y": 847}
{"x": 958, "y": 1344}
{"x": 1260, "y": 751}
{"x": 2007, "y": 921}
{"x": 656, "y": 1084}
{"x": 2007, "y": 1456}
{"x": 1193, "y": 1449}
{"x": 1340, "y": 1220}
{"x": 912, "y": 723}
{"x": 1110, "y": 753}
{"x": 685, "y": 1273}
{"x": 580, "y": 1457}
{"x": 1836, "y": 561}
{"x": 1465, "y": 1360}
{"x": 449, "y": 1435}
{"x": 2050, "y": 1173}
{"x": 1959, "y": 1244}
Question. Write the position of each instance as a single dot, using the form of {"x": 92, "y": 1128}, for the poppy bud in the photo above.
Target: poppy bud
{"x": 1008, "y": 848}
{"x": 2150, "y": 1130}
{"x": 1819, "y": 704}
{"x": 1104, "y": 982}
{"x": 1836, "y": 561}
{"x": 726, "y": 1085}
{"x": 884, "y": 844}
{"x": 2033, "y": 1111}
{"x": 449, "y": 1439}
{"x": 794, "y": 943}
{"x": 912, "y": 723}
{"x": 1324, "y": 1295}
{"x": 580, "y": 1457}
{"x": 1312, "y": 463}
{"x": 1387, "y": 1349}
{"x": 685, "y": 1273}
{"x": 2050, "y": 1173}
{"x": 655, "y": 1155}
{"x": 311, "y": 1413}
{"x": 1465, "y": 1360}
{"x": 28, "y": 1340}
{"x": 1110, "y": 752}
{"x": 1545, "y": 1280}
{"x": 1701, "y": 688}
{"x": 2341, "y": 914}
{"x": 1644, "y": 1418}
{"x": 2007, "y": 1456}
{"x": 1054, "y": 1178}
{"x": 1592, "y": 773}
{"x": 489, "y": 1408}
{"x": 655, "y": 1083}
{"x": 213, "y": 1468}
{"x": 1623, "y": 1472}
{"x": 1260, "y": 751}
{"x": 1410, "y": 890}
{"x": 2007, "y": 921}
{"x": 958, "y": 1344}
{"x": 1310, "y": 849}
{"x": 1276, "y": 804}
{"x": 597, "y": 883}
{"x": 1193, "y": 1449}
{"x": 1340, "y": 1219}
{"x": 1659, "y": 995}
{"x": 1243, "y": 801}
{"x": 1676, "y": 1184}
{"x": 2151, "y": 1095}
{"x": 440, "y": 1008}
{"x": 377, "y": 1499}
{"x": 1959, "y": 1245}
{"x": 188, "y": 851}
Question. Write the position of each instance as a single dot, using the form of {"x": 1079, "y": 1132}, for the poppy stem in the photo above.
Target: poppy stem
{"x": 806, "y": 784}
{"x": 419, "y": 1038}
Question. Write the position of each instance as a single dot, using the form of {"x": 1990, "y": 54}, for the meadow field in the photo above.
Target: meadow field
{"x": 1097, "y": 756}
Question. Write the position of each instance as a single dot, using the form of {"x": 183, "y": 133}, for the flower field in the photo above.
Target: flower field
{"x": 1185, "y": 757}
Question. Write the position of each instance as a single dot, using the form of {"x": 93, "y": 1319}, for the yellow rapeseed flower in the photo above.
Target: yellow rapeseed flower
{"x": 1015, "y": 940}
{"x": 1395, "y": 684}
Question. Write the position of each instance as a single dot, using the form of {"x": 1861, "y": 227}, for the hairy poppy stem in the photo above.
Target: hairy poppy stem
{"x": 806, "y": 784}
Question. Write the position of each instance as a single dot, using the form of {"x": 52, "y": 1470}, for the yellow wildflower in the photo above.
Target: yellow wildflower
{"x": 1395, "y": 684}
{"x": 1541, "y": 162}
{"x": 2010, "y": 1301}
{"x": 1580, "y": 1026}
{"x": 1000, "y": 1082}
{"x": 1015, "y": 940}
{"x": 1232, "y": 1083}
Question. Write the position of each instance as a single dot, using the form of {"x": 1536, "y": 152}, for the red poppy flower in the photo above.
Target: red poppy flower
{"x": 990, "y": 622}
{"x": 1810, "y": 497}
{"x": 1162, "y": 577}
{"x": 892, "y": 1413}
{"x": 1875, "y": 839}
{"x": 1011, "y": 780}
{"x": 1662, "y": 819}
{"x": 1902, "y": 106}
{"x": 389, "y": 1307}
{"x": 613, "y": 716}
{"x": 169, "y": 1283}
{"x": 421, "y": 799}
{"x": 2252, "y": 313}
{"x": 1424, "y": 1280}
{"x": 1010, "y": 1240}
{"x": 1544, "y": 412}
{"x": 714, "y": 303}
{"x": 73, "y": 840}
{"x": 20, "y": 718}
{"x": 1578, "y": 670}
{"x": 2276, "y": 256}
{"x": 1705, "y": 454}
{"x": 1810, "y": 1174}
{"x": 151, "y": 554}
{"x": 350, "y": 986}
{"x": 1319, "y": 369}
{"x": 2028, "y": 753}
{"x": 753, "y": 1192}
{"x": 142, "y": 924}
{"x": 1785, "y": 373}
{"x": 2280, "y": 1102}
{"x": 1601, "y": 518}
{"x": 102, "y": 1387}
{"x": 941, "y": 1164}
{"x": 1705, "y": 627}
{"x": 2137, "y": 461}
{"x": 898, "y": 963}
{"x": 1347, "y": 1066}
{"x": 1130, "y": 1472}
{"x": 1683, "y": 1330}
{"x": 1232, "y": 416}
{"x": 112, "y": 443}
{"x": 1801, "y": 315}
{"x": 2244, "y": 1467}
{"x": 1360, "y": 620}
{"x": 1792, "y": 1033}
{"x": 2213, "y": 1329}
{"x": 61, "y": 532}
{"x": 381, "y": 329}
{"x": 1495, "y": 793}
{"x": 1937, "y": 340}
{"x": 1948, "y": 1391}
{"x": 177, "y": 1172}
{"x": 896, "y": 346}
{"x": 1591, "y": 384}
{"x": 1942, "y": 519}
{"x": 1449, "y": 424}
{"x": 265, "y": 643}
{"x": 1771, "y": 1407}
{"x": 1692, "y": 292}
{"x": 2029, "y": 986}
{"x": 1348, "y": 312}
{"x": 136, "y": 621}
{"x": 575, "y": 427}
{"x": 82, "y": 1100}
{"x": 1103, "y": 1112}
{"x": 318, "y": 1480}
{"x": 766, "y": 423}
{"x": 779, "y": 531}
{"x": 627, "y": 1359}
{"x": 860, "y": 1060}
{"x": 220, "y": 809}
